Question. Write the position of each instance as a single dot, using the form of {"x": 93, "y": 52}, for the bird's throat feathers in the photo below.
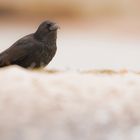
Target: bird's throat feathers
{"x": 46, "y": 37}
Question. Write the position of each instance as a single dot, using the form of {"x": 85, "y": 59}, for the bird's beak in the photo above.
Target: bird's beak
{"x": 54, "y": 27}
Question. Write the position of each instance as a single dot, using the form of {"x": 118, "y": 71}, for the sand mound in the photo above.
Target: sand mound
{"x": 68, "y": 105}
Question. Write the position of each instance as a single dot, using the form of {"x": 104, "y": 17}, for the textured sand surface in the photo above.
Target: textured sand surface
{"x": 68, "y": 105}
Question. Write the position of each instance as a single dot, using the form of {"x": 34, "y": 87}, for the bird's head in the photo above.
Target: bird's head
{"x": 47, "y": 29}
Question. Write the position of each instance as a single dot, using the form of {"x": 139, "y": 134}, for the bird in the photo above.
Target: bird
{"x": 35, "y": 50}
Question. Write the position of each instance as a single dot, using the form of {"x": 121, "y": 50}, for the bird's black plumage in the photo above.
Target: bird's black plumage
{"x": 34, "y": 50}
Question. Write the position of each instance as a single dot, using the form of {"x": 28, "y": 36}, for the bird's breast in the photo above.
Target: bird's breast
{"x": 47, "y": 54}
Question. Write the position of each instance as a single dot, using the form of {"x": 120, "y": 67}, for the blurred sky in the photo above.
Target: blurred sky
{"x": 94, "y": 33}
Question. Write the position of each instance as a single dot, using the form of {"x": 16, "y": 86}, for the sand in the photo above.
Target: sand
{"x": 40, "y": 105}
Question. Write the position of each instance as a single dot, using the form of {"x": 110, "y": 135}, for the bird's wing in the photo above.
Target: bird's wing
{"x": 16, "y": 52}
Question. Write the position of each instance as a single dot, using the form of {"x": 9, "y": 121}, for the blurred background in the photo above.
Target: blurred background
{"x": 94, "y": 34}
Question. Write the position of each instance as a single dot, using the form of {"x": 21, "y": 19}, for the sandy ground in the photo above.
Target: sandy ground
{"x": 40, "y": 105}
{"x": 71, "y": 104}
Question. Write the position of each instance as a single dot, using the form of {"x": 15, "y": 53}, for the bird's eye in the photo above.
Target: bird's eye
{"x": 49, "y": 25}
